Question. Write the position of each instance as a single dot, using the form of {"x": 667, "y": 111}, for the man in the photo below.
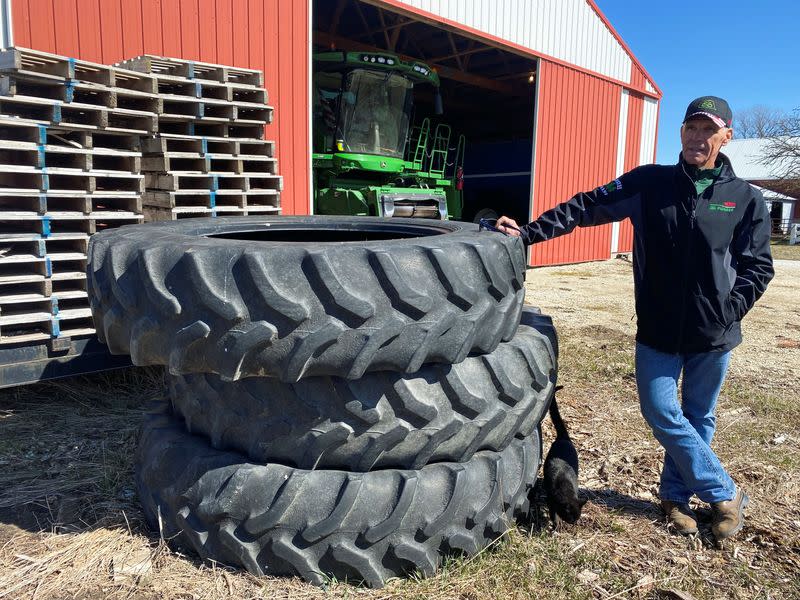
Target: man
{"x": 701, "y": 259}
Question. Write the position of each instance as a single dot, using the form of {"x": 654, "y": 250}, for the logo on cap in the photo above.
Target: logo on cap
{"x": 708, "y": 104}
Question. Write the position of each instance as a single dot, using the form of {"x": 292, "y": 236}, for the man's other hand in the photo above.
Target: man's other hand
{"x": 508, "y": 226}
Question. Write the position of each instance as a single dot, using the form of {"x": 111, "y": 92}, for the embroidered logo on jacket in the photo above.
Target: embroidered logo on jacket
{"x": 721, "y": 206}
{"x": 610, "y": 187}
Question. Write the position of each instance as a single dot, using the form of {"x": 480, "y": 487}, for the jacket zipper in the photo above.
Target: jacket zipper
{"x": 692, "y": 214}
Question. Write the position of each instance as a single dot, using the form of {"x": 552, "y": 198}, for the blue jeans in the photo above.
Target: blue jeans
{"x": 684, "y": 430}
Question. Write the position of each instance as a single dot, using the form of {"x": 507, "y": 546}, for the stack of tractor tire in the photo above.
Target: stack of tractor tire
{"x": 349, "y": 397}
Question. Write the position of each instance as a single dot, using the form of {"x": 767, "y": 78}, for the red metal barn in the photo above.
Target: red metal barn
{"x": 591, "y": 110}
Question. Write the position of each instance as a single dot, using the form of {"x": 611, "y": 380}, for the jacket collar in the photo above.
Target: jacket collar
{"x": 727, "y": 168}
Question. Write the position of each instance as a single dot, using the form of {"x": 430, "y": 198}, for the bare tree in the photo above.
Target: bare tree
{"x": 758, "y": 122}
{"x": 782, "y": 152}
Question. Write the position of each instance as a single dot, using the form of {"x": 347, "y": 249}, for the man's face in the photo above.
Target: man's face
{"x": 701, "y": 140}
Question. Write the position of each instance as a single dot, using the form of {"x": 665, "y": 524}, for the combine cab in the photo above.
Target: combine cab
{"x": 368, "y": 159}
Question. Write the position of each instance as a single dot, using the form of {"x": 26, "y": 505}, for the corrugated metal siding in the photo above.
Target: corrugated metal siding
{"x": 567, "y": 30}
{"x": 622, "y": 138}
{"x": 6, "y": 32}
{"x": 633, "y": 136}
{"x": 576, "y": 149}
{"x": 647, "y": 147}
{"x": 638, "y": 78}
{"x": 271, "y": 35}
{"x": 622, "y": 133}
{"x": 639, "y": 150}
{"x": 634, "y": 132}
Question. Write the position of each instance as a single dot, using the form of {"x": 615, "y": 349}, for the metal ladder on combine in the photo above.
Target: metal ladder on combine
{"x": 420, "y": 133}
{"x": 441, "y": 146}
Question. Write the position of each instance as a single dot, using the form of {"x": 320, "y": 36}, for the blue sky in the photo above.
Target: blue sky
{"x": 745, "y": 52}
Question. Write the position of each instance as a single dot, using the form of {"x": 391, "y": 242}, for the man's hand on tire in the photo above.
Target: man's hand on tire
{"x": 508, "y": 226}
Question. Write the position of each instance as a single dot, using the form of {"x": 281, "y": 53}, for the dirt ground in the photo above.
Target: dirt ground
{"x": 601, "y": 293}
{"x": 70, "y": 526}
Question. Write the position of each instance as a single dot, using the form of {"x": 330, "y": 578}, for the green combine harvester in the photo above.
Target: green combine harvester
{"x": 368, "y": 159}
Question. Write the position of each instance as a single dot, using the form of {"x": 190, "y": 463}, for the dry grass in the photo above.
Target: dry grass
{"x": 782, "y": 250}
{"x": 70, "y": 526}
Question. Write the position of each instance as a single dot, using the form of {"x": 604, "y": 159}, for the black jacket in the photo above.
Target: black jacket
{"x": 700, "y": 263}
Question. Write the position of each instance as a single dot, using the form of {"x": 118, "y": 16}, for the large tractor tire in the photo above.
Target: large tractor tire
{"x": 385, "y": 419}
{"x": 291, "y": 297}
{"x": 276, "y": 520}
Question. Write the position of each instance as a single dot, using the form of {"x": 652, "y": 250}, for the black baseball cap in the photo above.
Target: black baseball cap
{"x": 711, "y": 107}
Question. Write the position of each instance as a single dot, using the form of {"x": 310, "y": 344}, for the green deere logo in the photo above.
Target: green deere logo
{"x": 708, "y": 104}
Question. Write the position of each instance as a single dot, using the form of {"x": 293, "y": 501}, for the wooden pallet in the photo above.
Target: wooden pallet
{"x": 245, "y": 148}
{"x": 40, "y": 203}
{"x": 176, "y": 181}
{"x": 205, "y": 163}
{"x": 75, "y": 115}
{"x": 24, "y": 268}
{"x": 182, "y": 108}
{"x": 236, "y": 130}
{"x": 210, "y": 199}
{"x": 211, "y": 90}
{"x": 41, "y": 248}
{"x": 160, "y": 65}
{"x": 68, "y": 91}
{"x": 15, "y": 179}
{"x": 13, "y": 129}
{"x": 23, "y": 61}
{"x": 23, "y": 226}
{"x": 152, "y": 213}
{"x": 48, "y": 156}
{"x": 40, "y": 326}
{"x": 44, "y": 287}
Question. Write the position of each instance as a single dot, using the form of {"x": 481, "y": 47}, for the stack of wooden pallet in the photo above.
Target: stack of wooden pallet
{"x": 209, "y": 156}
{"x": 70, "y": 165}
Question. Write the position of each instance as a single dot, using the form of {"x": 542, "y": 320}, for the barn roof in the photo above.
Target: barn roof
{"x": 571, "y": 31}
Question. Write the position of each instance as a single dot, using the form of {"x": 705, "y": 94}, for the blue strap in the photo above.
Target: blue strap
{"x": 54, "y": 305}
{"x": 48, "y": 267}
{"x": 56, "y": 327}
{"x": 45, "y": 180}
{"x": 213, "y": 200}
{"x": 45, "y": 226}
{"x": 43, "y": 134}
{"x": 203, "y": 145}
{"x": 40, "y": 158}
{"x": 42, "y": 205}
{"x": 69, "y": 96}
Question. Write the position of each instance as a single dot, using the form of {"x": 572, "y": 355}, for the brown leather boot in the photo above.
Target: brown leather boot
{"x": 727, "y": 517}
{"x": 680, "y": 516}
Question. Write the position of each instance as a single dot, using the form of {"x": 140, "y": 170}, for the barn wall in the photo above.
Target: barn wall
{"x": 577, "y": 124}
{"x": 270, "y": 35}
